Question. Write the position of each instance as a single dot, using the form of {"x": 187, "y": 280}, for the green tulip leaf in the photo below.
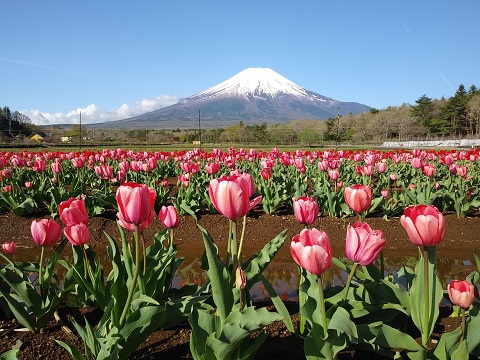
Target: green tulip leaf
{"x": 219, "y": 278}
{"x": 259, "y": 261}
{"x": 9, "y": 355}
{"x": 279, "y": 304}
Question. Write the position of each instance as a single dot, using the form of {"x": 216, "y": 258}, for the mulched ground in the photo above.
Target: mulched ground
{"x": 454, "y": 254}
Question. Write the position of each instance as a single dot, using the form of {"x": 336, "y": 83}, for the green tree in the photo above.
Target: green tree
{"x": 423, "y": 111}
{"x": 455, "y": 111}
{"x": 308, "y": 136}
{"x": 473, "y": 113}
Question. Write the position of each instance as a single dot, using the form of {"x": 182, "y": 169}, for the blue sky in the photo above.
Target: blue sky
{"x": 114, "y": 59}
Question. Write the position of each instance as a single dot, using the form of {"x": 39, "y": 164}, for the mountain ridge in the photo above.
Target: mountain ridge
{"x": 254, "y": 95}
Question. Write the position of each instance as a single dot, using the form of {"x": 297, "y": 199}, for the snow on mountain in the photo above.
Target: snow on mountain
{"x": 253, "y": 82}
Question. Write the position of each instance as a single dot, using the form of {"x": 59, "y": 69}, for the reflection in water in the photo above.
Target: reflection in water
{"x": 285, "y": 280}
{"x": 283, "y": 272}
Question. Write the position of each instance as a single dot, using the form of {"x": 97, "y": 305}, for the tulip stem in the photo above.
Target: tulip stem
{"x": 170, "y": 231}
{"x": 241, "y": 239}
{"x": 349, "y": 280}
{"x": 382, "y": 265}
{"x": 135, "y": 276}
{"x": 87, "y": 265}
{"x": 322, "y": 306}
{"x": 426, "y": 297}
{"x": 234, "y": 251}
{"x": 463, "y": 325}
{"x": 144, "y": 255}
{"x": 229, "y": 243}
{"x": 40, "y": 270}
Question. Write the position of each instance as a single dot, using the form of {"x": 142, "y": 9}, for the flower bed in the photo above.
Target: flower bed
{"x": 373, "y": 310}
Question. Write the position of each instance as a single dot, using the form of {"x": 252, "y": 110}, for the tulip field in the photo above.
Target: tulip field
{"x": 133, "y": 285}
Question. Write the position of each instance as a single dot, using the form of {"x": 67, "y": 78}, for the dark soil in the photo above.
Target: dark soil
{"x": 454, "y": 254}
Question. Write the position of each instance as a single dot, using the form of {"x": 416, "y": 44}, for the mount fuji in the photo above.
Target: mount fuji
{"x": 253, "y": 95}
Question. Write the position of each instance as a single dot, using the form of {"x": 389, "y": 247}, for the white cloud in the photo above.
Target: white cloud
{"x": 93, "y": 114}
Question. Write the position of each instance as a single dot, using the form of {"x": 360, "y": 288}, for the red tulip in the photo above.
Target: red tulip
{"x": 231, "y": 196}
{"x": 9, "y": 248}
{"x": 168, "y": 216}
{"x": 305, "y": 209}
{"x": 363, "y": 244}
{"x": 135, "y": 204}
{"x": 45, "y": 232}
{"x": 311, "y": 250}
{"x": 77, "y": 234}
{"x": 73, "y": 211}
{"x": 358, "y": 197}
{"x": 424, "y": 224}
{"x": 461, "y": 293}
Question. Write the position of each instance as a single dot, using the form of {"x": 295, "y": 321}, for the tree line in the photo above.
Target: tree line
{"x": 428, "y": 119}
{"x": 14, "y": 123}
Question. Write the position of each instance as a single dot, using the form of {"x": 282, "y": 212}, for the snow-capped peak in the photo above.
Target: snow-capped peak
{"x": 253, "y": 82}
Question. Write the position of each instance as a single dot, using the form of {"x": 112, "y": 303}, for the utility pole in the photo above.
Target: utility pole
{"x": 199, "y": 130}
{"x": 80, "y": 130}
{"x": 338, "y": 125}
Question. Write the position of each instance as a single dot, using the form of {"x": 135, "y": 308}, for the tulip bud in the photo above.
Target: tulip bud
{"x": 240, "y": 279}
{"x": 305, "y": 209}
{"x": 9, "y": 248}
{"x": 461, "y": 293}
{"x": 168, "y": 216}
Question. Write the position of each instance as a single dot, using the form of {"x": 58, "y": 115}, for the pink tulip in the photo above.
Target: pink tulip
{"x": 231, "y": 196}
{"x": 385, "y": 194}
{"x": 424, "y": 224}
{"x": 417, "y": 163}
{"x": 168, "y": 216}
{"x": 135, "y": 204}
{"x": 311, "y": 250}
{"x": 212, "y": 168}
{"x": 462, "y": 171}
{"x": 73, "y": 212}
{"x": 358, "y": 197}
{"x": 77, "y": 234}
{"x": 9, "y": 248}
{"x": 56, "y": 167}
{"x": 461, "y": 293}
{"x": 381, "y": 167}
{"x": 363, "y": 244}
{"x": 429, "y": 170}
{"x": 45, "y": 232}
{"x": 78, "y": 162}
{"x": 305, "y": 209}
{"x": 323, "y": 165}
{"x": 334, "y": 174}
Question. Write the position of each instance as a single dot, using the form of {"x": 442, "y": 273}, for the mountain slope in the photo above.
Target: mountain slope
{"x": 253, "y": 95}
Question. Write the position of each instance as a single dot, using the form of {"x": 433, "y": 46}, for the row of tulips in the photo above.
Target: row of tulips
{"x": 30, "y": 181}
{"x": 370, "y": 312}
